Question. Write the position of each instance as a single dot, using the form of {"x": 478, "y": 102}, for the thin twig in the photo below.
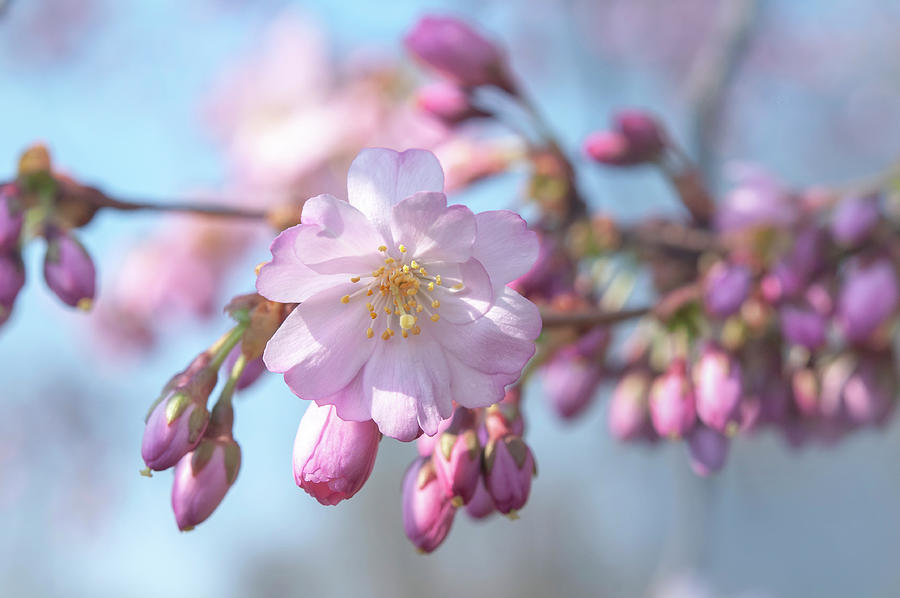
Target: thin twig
{"x": 595, "y": 317}
{"x": 201, "y": 209}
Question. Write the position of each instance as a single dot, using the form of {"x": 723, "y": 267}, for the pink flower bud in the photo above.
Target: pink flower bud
{"x": 69, "y": 270}
{"x": 642, "y": 132}
{"x": 457, "y": 462}
{"x": 608, "y": 147}
{"x": 178, "y": 420}
{"x": 869, "y": 392}
{"x": 854, "y": 219}
{"x": 427, "y": 512}
{"x": 425, "y": 444}
{"x": 672, "y": 404}
{"x": 629, "y": 413}
{"x": 458, "y": 52}
{"x": 509, "y": 467}
{"x": 868, "y": 298}
{"x": 481, "y": 505}
{"x": 718, "y": 388}
{"x": 12, "y": 217}
{"x": 725, "y": 289}
{"x": 202, "y": 478}
{"x": 803, "y": 326}
{"x": 12, "y": 279}
{"x": 758, "y": 200}
{"x": 574, "y": 373}
{"x": 333, "y": 458}
{"x": 252, "y": 371}
{"x": 708, "y": 450}
{"x": 805, "y": 387}
{"x": 447, "y": 103}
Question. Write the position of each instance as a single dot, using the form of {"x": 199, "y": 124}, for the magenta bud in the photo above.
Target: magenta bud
{"x": 427, "y": 512}
{"x": 252, "y": 371}
{"x": 708, "y": 450}
{"x": 457, "y": 462}
{"x": 12, "y": 279}
{"x": 868, "y": 297}
{"x": 508, "y": 469}
{"x": 447, "y": 103}
{"x": 854, "y": 219}
{"x": 642, "y": 132}
{"x": 173, "y": 428}
{"x": 629, "y": 411}
{"x": 178, "y": 420}
{"x": 672, "y": 404}
{"x": 725, "y": 288}
{"x": 69, "y": 270}
{"x": 718, "y": 389}
{"x": 571, "y": 377}
{"x": 758, "y": 200}
{"x": 803, "y": 326}
{"x": 202, "y": 478}
{"x": 481, "y": 505}
{"x": 459, "y": 53}
{"x": 333, "y": 458}
{"x": 12, "y": 217}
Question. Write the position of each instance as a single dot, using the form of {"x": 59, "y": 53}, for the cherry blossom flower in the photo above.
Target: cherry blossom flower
{"x": 404, "y": 306}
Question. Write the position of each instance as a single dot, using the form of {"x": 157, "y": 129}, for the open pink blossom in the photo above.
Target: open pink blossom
{"x": 404, "y": 306}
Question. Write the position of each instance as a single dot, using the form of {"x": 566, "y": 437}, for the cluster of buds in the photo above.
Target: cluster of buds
{"x": 182, "y": 433}
{"x": 43, "y": 204}
{"x": 478, "y": 461}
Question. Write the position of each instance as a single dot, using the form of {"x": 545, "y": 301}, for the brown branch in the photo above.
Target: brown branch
{"x": 200, "y": 208}
{"x": 596, "y": 317}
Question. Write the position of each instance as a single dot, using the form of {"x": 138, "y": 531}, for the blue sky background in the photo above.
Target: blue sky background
{"x": 120, "y": 109}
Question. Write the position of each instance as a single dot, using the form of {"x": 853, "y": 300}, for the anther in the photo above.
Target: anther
{"x": 369, "y": 333}
{"x": 382, "y": 248}
{"x": 435, "y": 317}
{"x": 430, "y": 286}
{"x": 458, "y": 286}
{"x": 345, "y": 299}
{"x": 355, "y": 279}
{"x": 435, "y": 304}
{"x": 402, "y": 248}
{"x": 385, "y": 335}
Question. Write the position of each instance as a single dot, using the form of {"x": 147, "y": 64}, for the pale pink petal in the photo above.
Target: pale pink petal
{"x": 433, "y": 231}
{"x": 379, "y": 178}
{"x": 322, "y": 344}
{"x": 473, "y": 300}
{"x": 351, "y": 403}
{"x": 286, "y": 279}
{"x": 505, "y": 246}
{"x": 409, "y": 385}
{"x": 473, "y": 388}
{"x": 343, "y": 241}
{"x": 499, "y": 342}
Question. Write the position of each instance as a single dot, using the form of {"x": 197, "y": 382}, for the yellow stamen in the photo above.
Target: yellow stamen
{"x": 382, "y": 248}
{"x": 373, "y": 315}
{"x": 345, "y": 299}
{"x": 419, "y": 309}
{"x": 385, "y": 335}
{"x": 355, "y": 279}
{"x": 435, "y": 317}
{"x": 369, "y": 333}
{"x": 430, "y": 286}
{"x": 402, "y": 248}
{"x": 437, "y": 280}
{"x": 435, "y": 304}
{"x": 414, "y": 264}
{"x": 458, "y": 286}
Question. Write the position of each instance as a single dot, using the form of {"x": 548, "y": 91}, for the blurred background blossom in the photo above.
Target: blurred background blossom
{"x": 265, "y": 104}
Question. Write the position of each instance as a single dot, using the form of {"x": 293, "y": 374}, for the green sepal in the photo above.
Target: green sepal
{"x": 176, "y": 406}
{"x": 426, "y": 474}
{"x": 232, "y": 461}
{"x": 201, "y": 456}
{"x": 446, "y": 444}
{"x": 197, "y": 423}
{"x": 472, "y": 445}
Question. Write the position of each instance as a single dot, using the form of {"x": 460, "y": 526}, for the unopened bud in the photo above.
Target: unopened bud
{"x": 202, "y": 478}
{"x": 427, "y": 512}
{"x": 508, "y": 469}
{"x": 708, "y": 450}
{"x": 69, "y": 270}
{"x": 672, "y": 403}
{"x": 718, "y": 389}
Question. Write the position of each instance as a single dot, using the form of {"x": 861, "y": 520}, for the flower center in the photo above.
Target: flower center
{"x": 401, "y": 288}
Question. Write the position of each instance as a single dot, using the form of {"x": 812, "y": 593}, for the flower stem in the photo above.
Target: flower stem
{"x": 199, "y": 209}
{"x": 222, "y": 347}
{"x": 233, "y": 377}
